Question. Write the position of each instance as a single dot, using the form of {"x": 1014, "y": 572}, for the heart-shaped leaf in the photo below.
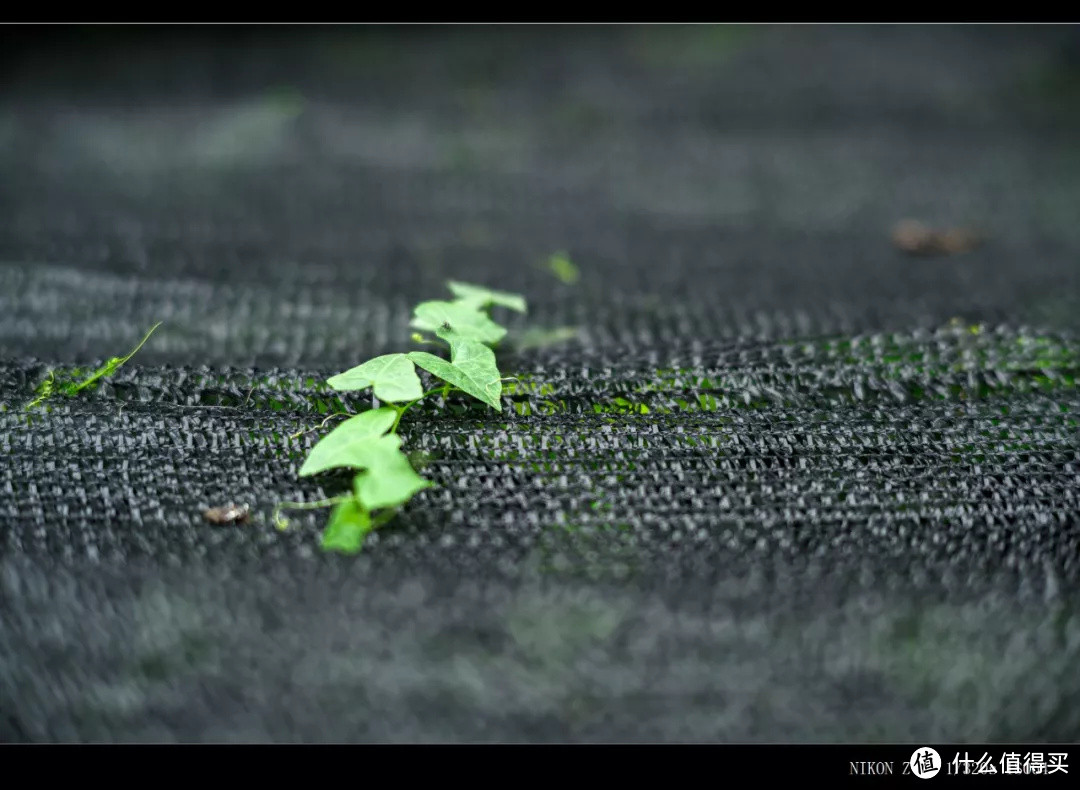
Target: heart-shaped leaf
{"x": 471, "y": 369}
{"x": 482, "y": 297}
{"x": 465, "y": 318}
{"x": 343, "y": 446}
{"x": 392, "y": 376}
{"x": 389, "y": 480}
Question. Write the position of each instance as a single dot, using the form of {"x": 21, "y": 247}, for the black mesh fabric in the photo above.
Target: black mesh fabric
{"x": 787, "y": 483}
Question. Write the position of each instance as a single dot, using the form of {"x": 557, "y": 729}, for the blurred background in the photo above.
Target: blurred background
{"x": 768, "y": 164}
{"x": 794, "y": 455}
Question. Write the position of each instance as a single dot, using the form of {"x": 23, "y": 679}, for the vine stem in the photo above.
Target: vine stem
{"x": 113, "y": 363}
{"x": 445, "y": 390}
{"x": 281, "y": 523}
{"x": 45, "y": 389}
{"x": 298, "y": 434}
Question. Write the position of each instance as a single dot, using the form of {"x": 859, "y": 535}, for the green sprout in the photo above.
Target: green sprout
{"x": 69, "y": 388}
{"x": 563, "y": 268}
{"x": 368, "y": 443}
{"x": 541, "y": 338}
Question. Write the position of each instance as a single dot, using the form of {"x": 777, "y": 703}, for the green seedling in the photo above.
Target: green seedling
{"x": 563, "y": 268}
{"x": 368, "y": 443}
{"x": 542, "y": 338}
{"x": 54, "y": 384}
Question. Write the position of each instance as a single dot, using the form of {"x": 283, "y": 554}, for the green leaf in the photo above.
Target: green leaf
{"x": 471, "y": 368}
{"x": 68, "y": 386}
{"x": 389, "y": 480}
{"x": 464, "y": 317}
{"x": 540, "y": 338}
{"x": 563, "y": 268}
{"x": 344, "y": 445}
{"x": 393, "y": 377}
{"x": 349, "y": 524}
{"x": 482, "y": 297}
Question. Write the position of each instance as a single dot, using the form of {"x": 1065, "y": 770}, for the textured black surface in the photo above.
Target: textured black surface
{"x": 787, "y": 483}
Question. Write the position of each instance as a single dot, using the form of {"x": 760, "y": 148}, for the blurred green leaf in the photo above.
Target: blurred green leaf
{"x": 483, "y": 297}
{"x": 348, "y": 526}
{"x": 464, "y": 317}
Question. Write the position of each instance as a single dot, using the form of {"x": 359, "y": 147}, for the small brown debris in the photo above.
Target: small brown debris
{"x": 915, "y": 238}
{"x": 229, "y": 514}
